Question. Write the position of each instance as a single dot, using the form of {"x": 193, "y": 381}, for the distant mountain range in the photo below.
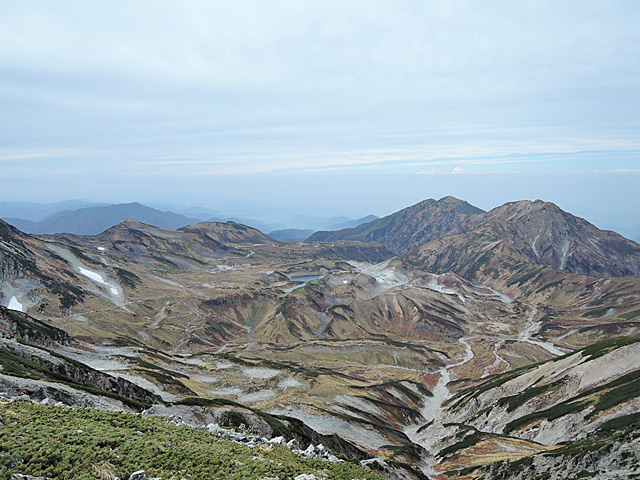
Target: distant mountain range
{"x": 353, "y": 223}
{"x": 290, "y": 234}
{"x": 95, "y": 220}
{"x": 85, "y": 218}
{"x": 39, "y": 211}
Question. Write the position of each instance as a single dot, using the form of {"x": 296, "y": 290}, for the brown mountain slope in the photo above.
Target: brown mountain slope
{"x": 27, "y": 263}
{"x": 536, "y": 232}
{"x": 410, "y": 227}
{"x": 229, "y": 232}
{"x": 533, "y": 233}
{"x": 547, "y": 235}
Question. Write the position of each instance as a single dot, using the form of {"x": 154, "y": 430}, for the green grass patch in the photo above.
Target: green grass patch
{"x": 467, "y": 442}
{"x": 128, "y": 278}
{"x": 515, "y": 401}
{"x": 67, "y": 444}
{"x": 601, "y": 348}
{"x": 630, "y": 315}
{"x": 524, "y": 278}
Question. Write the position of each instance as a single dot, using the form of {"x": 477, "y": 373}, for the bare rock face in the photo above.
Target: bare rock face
{"x": 14, "y": 255}
{"x": 550, "y": 236}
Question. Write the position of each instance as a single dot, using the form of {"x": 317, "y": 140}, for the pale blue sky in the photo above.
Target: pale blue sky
{"x": 202, "y": 98}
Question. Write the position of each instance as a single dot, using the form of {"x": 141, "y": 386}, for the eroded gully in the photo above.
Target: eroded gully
{"x": 432, "y": 408}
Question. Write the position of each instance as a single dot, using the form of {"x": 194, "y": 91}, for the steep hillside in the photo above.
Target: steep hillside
{"x": 578, "y": 407}
{"x": 28, "y": 264}
{"x": 547, "y": 235}
{"x": 534, "y": 233}
{"x": 29, "y": 367}
{"x": 451, "y": 235}
{"x": 409, "y": 227}
{"x": 94, "y": 220}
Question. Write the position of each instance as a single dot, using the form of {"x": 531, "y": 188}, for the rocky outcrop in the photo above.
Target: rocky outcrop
{"x": 48, "y": 365}
{"x": 30, "y": 330}
{"x": 259, "y": 428}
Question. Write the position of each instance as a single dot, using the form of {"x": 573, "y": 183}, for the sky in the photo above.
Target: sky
{"x": 325, "y": 107}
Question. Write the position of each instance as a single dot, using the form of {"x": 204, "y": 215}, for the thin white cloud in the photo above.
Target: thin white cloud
{"x": 365, "y": 86}
{"x": 619, "y": 170}
{"x": 455, "y": 171}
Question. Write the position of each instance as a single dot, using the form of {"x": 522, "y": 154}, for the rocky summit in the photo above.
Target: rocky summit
{"x": 441, "y": 341}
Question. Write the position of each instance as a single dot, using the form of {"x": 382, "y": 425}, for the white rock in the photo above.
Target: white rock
{"x": 278, "y": 441}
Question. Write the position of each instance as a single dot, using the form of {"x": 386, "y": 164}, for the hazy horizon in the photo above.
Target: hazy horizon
{"x": 610, "y": 201}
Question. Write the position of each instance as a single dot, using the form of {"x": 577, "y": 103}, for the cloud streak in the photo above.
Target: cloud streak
{"x": 306, "y": 88}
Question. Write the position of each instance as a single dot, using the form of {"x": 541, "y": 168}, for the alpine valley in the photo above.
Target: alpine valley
{"x": 441, "y": 341}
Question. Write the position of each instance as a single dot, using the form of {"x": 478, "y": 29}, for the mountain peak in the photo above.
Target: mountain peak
{"x": 459, "y": 205}
{"x": 411, "y": 226}
{"x": 449, "y": 199}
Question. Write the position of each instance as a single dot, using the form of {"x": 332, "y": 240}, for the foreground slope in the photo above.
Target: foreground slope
{"x": 572, "y": 406}
{"x": 63, "y": 443}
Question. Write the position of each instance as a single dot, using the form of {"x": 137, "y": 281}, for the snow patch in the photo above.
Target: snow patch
{"x": 14, "y": 304}
{"x": 96, "y": 277}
